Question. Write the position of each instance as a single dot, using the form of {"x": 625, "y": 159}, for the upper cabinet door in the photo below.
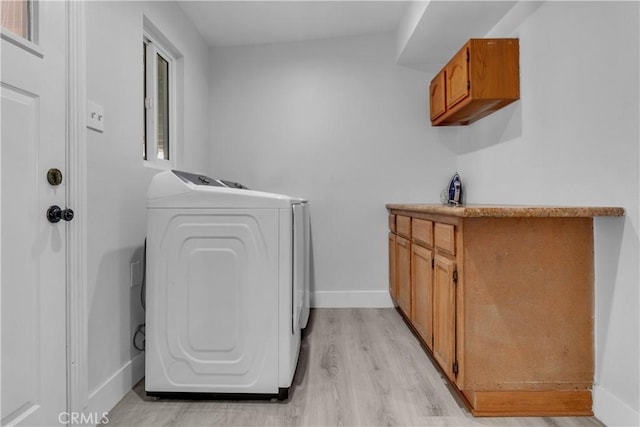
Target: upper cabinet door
{"x": 437, "y": 96}
{"x": 457, "y": 81}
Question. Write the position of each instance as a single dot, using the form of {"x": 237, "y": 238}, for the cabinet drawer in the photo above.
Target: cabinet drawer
{"x": 403, "y": 226}
{"x": 392, "y": 223}
{"x": 422, "y": 232}
{"x": 444, "y": 235}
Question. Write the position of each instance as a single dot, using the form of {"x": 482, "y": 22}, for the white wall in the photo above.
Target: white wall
{"x": 117, "y": 180}
{"x": 337, "y": 122}
{"x": 573, "y": 139}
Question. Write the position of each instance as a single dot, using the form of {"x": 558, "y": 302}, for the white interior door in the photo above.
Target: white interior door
{"x": 33, "y": 250}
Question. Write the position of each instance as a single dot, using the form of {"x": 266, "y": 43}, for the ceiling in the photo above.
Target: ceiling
{"x": 446, "y": 25}
{"x": 235, "y": 23}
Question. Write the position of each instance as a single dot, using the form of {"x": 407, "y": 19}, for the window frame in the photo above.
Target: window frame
{"x": 153, "y": 48}
{"x": 31, "y": 43}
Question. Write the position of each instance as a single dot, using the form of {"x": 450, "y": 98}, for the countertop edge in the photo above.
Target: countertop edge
{"x": 502, "y": 211}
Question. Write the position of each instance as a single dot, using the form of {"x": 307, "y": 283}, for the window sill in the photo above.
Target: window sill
{"x": 159, "y": 165}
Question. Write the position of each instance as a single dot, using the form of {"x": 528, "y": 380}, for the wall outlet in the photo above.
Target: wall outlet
{"x": 136, "y": 273}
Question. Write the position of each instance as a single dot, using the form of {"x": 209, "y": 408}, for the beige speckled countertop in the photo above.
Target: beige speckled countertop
{"x": 501, "y": 211}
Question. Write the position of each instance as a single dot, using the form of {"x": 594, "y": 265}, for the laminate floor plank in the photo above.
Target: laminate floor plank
{"x": 357, "y": 367}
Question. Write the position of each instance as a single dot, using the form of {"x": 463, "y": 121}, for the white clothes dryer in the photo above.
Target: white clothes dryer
{"x": 227, "y": 288}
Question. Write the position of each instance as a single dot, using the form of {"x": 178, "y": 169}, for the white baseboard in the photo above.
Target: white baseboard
{"x": 344, "y": 299}
{"x": 612, "y": 411}
{"x": 107, "y": 395}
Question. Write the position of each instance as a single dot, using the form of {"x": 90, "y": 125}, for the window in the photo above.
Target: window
{"x": 163, "y": 108}
{"x": 159, "y": 136}
{"x": 17, "y": 17}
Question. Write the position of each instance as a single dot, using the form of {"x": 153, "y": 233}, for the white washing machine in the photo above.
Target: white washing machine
{"x": 227, "y": 288}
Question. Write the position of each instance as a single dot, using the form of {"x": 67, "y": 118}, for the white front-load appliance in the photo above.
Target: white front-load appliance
{"x": 226, "y": 288}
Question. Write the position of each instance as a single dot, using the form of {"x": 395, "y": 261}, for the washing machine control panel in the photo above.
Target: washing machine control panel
{"x": 232, "y": 184}
{"x": 205, "y": 180}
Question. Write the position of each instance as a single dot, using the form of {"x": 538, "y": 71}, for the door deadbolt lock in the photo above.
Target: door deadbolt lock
{"x": 55, "y": 214}
{"x": 54, "y": 176}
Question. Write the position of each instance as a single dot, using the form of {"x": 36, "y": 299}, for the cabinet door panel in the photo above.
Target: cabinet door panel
{"x": 444, "y": 312}
{"x": 393, "y": 287}
{"x": 437, "y": 102}
{"x": 403, "y": 247}
{"x": 421, "y": 281}
{"x": 457, "y": 78}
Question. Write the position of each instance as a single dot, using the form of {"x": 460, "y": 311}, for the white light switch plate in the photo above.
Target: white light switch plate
{"x": 95, "y": 116}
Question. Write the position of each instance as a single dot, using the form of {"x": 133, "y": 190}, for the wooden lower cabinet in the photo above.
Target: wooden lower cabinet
{"x": 403, "y": 268}
{"x": 393, "y": 282}
{"x": 505, "y": 307}
{"x": 525, "y": 316}
{"x": 444, "y": 315}
{"x": 422, "y": 285}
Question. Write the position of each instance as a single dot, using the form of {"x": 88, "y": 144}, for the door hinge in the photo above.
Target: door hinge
{"x": 467, "y": 55}
{"x": 468, "y": 85}
{"x": 455, "y": 368}
{"x": 147, "y": 103}
{"x": 433, "y": 263}
{"x": 455, "y": 277}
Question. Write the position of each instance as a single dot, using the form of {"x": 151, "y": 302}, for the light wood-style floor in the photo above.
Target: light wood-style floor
{"x": 358, "y": 367}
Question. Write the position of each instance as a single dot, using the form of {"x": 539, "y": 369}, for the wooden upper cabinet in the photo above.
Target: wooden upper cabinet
{"x": 483, "y": 77}
{"x": 437, "y": 98}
